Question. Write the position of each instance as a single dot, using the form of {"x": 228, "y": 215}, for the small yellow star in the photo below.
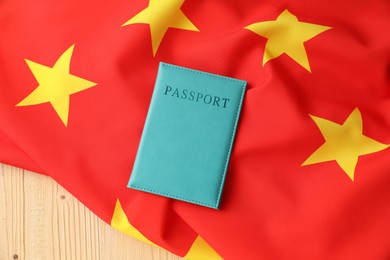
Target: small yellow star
{"x": 287, "y": 35}
{"x": 120, "y": 221}
{"x": 344, "y": 143}
{"x": 199, "y": 249}
{"x": 56, "y": 84}
{"x": 161, "y": 15}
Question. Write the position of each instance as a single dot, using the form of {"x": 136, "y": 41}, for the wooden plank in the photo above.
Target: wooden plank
{"x": 12, "y": 214}
{"x": 40, "y": 220}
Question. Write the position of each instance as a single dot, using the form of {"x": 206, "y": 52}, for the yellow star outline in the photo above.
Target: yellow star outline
{"x": 287, "y": 35}
{"x": 56, "y": 84}
{"x": 344, "y": 143}
{"x": 161, "y": 15}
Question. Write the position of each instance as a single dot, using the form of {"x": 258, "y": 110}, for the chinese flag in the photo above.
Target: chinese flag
{"x": 309, "y": 174}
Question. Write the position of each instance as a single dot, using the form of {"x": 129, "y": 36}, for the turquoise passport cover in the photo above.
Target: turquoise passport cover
{"x": 188, "y": 135}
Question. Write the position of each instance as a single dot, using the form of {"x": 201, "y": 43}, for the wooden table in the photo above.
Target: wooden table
{"x": 40, "y": 220}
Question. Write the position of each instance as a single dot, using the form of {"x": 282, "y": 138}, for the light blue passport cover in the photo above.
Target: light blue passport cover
{"x": 188, "y": 135}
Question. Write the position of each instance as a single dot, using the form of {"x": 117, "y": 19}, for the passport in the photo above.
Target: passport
{"x": 188, "y": 135}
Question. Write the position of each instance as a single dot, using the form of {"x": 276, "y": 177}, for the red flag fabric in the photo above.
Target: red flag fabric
{"x": 309, "y": 172}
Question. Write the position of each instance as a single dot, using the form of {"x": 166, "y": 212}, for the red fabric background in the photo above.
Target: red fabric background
{"x": 272, "y": 207}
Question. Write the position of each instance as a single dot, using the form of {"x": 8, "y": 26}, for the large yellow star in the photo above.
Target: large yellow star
{"x": 287, "y": 35}
{"x": 161, "y": 15}
{"x": 56, "y": 84}
{"x": 344, "y": 143}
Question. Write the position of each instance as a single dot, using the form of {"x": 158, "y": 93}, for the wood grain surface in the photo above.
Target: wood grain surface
{"x": 40, "y": 220}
